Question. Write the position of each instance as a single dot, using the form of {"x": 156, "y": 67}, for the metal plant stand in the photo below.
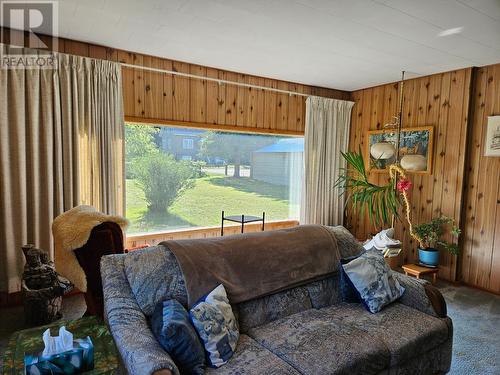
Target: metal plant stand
{"x": 243, "y": 219}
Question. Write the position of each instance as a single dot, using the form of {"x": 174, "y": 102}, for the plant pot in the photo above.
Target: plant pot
{"x": 428, "y": 256}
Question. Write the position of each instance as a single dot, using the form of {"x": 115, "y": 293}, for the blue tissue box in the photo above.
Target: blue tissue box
{"x": 74, "y": 361}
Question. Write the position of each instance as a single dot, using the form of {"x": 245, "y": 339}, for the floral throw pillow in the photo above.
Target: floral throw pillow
{"x": 214, "y": 320}
{"x": 373, "y": 279}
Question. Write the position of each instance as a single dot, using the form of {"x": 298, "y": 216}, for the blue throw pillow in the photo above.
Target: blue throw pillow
{"x": 372, "y": 278}
{"x": 214, "y": 320}
{"x": 172, "y": 328}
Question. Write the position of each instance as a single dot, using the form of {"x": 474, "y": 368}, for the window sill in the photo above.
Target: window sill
{"x": 154, "y": 238}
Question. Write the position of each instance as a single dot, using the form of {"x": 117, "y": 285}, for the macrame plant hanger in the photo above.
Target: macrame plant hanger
{"x": 396, "y": 172}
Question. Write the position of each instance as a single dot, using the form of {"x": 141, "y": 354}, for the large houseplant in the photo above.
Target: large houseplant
{"x": 380, "y": 201}
{"x": 430, "y": 237}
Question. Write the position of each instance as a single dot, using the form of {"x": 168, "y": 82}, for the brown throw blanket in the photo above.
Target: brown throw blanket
{"x": 255, "y": 264}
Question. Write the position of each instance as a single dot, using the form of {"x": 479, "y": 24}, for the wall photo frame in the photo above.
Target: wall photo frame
{"x": 415, "y": 149}
{"x": 492, "y": 141}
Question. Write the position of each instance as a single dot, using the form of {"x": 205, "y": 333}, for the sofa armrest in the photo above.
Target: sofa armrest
{"x": 139, "y": 349}
{"x": 421, "y": 295}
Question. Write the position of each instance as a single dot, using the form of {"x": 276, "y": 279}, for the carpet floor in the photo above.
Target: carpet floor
{"x": 476, "y": 325}
{"x": 475, "y": 315}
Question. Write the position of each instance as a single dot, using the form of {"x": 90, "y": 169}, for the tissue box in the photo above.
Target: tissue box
{"x": 74, "y": 361}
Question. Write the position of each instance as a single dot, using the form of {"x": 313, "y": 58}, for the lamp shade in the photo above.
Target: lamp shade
{"x": 414, "y": 163}
{"x": 382, "y": 150}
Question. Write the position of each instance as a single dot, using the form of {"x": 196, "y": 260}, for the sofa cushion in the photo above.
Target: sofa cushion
{"x": 324, "y": 292}
{"x": 406, "y": 332}
{"x": 251, "y": 358}
{"x": 316, "y": 294}
{"x": 154, "y": 275}
{"x": 263, "y": 310}
{"x": 315, "y": 343}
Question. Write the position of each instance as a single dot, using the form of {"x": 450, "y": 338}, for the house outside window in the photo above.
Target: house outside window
{"x": 187, "y": 144}
{"x": 169, "y": 186}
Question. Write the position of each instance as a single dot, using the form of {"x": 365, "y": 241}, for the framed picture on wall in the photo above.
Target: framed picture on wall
{"x": 415, "y": 149}
{"x": 492, "y": 142}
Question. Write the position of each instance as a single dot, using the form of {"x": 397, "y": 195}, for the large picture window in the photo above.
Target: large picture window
{"x": 171, "y": 186}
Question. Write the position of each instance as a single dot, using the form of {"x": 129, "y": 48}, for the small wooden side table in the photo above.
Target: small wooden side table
{"x": 417, "y": 271}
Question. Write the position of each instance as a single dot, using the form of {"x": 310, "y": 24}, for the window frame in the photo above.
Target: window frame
{"x": 154, "y": 237}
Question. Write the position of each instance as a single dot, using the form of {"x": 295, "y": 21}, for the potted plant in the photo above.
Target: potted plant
{"x": 380, "y": 201}
{"x": 430, "y": 235}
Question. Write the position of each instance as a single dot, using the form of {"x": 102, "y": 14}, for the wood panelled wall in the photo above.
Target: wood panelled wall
{"x": 440, "y": 100}
{"x": 480, "y": 265}
{"x": 166, "y": 99}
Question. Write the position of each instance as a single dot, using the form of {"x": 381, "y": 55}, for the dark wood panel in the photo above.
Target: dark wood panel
{"x": 127, "y": 82}
{"x": 167, "y": 110}
{"x": 270, "y": 101}
{"x": 181, "y": 109}
{"x": 212, "y": 97}
{"x": 231, "y": 99}
{"x": 153, "y": 84}
{"x": 198, "y": 94}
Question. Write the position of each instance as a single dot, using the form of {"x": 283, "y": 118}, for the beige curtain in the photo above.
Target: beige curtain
{"x": 61, "y": 145}
{"x": 326, "y": 135}
{"x": 91, "y": 103}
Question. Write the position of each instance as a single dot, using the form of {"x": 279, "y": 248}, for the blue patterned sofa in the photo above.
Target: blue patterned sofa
{"x": 302, "y": 330}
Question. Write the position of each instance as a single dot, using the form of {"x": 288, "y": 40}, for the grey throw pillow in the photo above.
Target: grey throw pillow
{"x": 373, "y": 279}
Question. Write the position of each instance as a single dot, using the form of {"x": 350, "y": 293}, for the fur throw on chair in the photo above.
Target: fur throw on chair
{"x": 71, "y": 231}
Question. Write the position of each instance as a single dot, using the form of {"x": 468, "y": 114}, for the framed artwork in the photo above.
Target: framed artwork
{"x": 415, "y": 149}
{"x": 492, "y": 142}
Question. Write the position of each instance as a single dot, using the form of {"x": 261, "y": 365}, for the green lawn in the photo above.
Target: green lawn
{"x": 202, "y": 204}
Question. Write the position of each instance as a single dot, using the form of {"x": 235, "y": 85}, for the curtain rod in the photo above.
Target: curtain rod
{"x": 219, "y": 81}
